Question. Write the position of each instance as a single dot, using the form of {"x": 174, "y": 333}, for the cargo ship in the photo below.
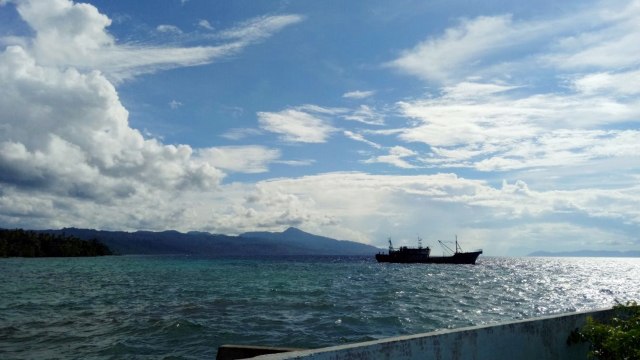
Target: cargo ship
{"x": 422, "y": 255}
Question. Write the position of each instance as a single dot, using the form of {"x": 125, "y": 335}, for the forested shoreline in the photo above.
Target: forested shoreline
{"x": 25, "y": 243}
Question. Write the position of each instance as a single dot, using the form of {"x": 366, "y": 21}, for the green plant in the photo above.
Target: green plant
{"x": 617, "y": 339}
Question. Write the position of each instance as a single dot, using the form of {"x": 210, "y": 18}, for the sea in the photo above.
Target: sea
{"x": 184, "y": 307}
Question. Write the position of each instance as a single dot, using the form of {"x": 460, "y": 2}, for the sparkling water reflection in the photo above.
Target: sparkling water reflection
{"x": 185, "y": 307}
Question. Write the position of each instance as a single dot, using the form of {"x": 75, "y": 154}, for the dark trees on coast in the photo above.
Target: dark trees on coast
{"x": 22, "y": 243}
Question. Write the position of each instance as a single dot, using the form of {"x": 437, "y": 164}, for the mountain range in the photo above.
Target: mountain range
{"x": 292, "y": 241}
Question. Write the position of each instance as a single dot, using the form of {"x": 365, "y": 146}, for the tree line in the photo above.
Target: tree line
{"x": 25, "y": 243}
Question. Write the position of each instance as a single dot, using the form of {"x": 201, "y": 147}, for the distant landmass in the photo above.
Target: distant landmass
{"x": 21, "y": 243}
{"x": 289, "y": 242}
{"x": 315, "y": 244}
{"x": 587, "y": 253}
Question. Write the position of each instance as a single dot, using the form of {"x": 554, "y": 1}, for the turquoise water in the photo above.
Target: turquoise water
{"x": 185, "y": 307}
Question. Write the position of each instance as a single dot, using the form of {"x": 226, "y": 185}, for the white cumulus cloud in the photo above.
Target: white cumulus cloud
{"x": 245, "y": 159}
{"x": 358, "y": 94}
{"x": 75, "y": 34}
{"x": 68, "y": 155}
{"x": 492, "y": 129}
{"x": 508, "y": 218}
{"x": 461, "y": 50}
{"x": 205, "y": 24}
{"x": 397, "y": 157}
{"x": 307, "y": 124}
{"x": 168, "y": 29}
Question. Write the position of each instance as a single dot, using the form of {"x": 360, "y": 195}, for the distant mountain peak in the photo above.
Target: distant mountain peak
{"x": 317, "y": 244}
{"x": 293, "y": 230}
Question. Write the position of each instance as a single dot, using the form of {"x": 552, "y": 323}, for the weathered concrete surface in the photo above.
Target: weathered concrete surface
{"x": 542, "y": 338}
{"x": 231, "y": 352}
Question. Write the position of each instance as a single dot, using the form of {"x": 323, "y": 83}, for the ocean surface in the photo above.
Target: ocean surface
{"x": 180, "y": 307}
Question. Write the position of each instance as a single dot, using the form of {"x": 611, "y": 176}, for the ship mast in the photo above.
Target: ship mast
{"x": 458, "y": 247}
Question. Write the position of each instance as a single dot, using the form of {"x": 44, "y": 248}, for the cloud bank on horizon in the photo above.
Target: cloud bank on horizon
{"x": 515, "y": 129}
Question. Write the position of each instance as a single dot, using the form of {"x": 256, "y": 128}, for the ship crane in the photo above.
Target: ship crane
{"x": 458, "y": 247}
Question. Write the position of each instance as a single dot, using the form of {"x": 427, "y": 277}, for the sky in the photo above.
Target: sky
{"x": 514, "y": 125}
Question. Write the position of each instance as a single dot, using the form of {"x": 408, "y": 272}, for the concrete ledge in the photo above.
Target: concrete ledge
{"x": 232, "y": 352}
{"x": 541, "y": 338}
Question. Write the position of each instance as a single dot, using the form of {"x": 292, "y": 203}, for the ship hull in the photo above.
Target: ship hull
{"x": 457, "y": 258}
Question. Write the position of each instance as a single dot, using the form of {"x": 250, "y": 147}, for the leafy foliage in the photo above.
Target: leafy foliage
{"x": 618, "y": 339}
{"x": 23, "y": 243}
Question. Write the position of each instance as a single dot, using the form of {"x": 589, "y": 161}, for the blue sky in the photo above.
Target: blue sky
{"x": 513, "y": 125}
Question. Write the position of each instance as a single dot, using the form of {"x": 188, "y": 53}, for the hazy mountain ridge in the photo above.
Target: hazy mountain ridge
{"x": 586, "y": 253}
{"x": 320, "y": 244}
{"x": 290, "y": 242}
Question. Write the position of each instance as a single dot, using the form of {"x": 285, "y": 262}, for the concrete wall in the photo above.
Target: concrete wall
{"x": 542, "y": 338}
